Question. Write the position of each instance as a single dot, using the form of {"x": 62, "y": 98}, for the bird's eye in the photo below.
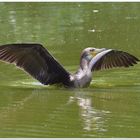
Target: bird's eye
{"x": 92, "y": 50}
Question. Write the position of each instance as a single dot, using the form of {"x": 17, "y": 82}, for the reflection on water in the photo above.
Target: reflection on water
{"x": 37, "y": 112}
{"x": 93, "y": 119}
{"x": 48, "y": 112}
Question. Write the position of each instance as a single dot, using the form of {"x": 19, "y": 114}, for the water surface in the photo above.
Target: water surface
{"x": 108, "y": 108}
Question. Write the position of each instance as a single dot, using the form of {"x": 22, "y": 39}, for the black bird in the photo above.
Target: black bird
{"x": 40, "y": 64}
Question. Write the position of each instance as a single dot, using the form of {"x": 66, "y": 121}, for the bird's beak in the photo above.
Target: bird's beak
{"x": 95, "y": 52}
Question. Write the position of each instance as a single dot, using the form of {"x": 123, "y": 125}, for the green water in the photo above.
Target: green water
{"x": 110, "y": 107}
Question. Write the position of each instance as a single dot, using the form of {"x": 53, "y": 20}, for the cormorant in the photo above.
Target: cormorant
{"x": 40, "y": 64}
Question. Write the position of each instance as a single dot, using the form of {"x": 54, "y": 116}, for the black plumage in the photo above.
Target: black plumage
{"x": 35, "y": 60}
{"x": 40, "y": 64}
{"x": 115, "y": 58}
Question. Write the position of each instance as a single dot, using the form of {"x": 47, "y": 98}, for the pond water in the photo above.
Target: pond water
{"x": 109, "y": 107}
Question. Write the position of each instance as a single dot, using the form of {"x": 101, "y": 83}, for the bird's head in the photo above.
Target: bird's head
{"x": 87, "y": 55}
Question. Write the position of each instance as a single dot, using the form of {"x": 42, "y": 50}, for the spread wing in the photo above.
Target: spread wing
{"x": 114, "y": 58}
{"x": 35, "y": 60}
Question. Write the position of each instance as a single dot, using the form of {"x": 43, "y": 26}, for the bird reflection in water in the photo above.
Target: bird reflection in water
{"x": 93, "y": 119}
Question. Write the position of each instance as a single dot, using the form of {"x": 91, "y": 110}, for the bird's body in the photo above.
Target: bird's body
{"x": 40, "y": 64}
{"x": 81, "y": 78}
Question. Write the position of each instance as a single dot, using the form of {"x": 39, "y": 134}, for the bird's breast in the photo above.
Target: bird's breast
{"x": 82, "y": 79}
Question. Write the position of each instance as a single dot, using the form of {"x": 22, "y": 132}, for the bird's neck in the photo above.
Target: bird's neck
{"x": 84, "y": 62}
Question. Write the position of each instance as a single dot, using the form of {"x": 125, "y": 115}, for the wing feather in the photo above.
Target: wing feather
{"x": 35, "y": 60}
{"x": 114, "y": 58}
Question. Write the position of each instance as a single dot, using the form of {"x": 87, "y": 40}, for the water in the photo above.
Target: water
{"x": 108, "y": 108}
